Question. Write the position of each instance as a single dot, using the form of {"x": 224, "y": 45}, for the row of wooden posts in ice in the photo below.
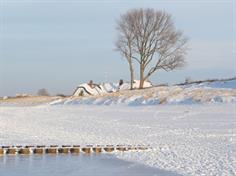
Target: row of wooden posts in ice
{"x": 66, "y": 149}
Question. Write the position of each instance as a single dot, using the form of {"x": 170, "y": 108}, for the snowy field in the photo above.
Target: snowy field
{"x": 186, "y": 139}
{"x": 191, "y": 129}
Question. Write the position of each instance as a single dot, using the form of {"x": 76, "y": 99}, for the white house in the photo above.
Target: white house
{"x": 87, "y": 89}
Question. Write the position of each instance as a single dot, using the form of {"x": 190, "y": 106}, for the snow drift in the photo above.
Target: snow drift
{"x": 213, "y": 92}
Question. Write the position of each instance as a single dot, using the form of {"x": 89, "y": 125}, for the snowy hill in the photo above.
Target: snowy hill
{"x": 225, "y": 84}
{"x": 204, "y": 92}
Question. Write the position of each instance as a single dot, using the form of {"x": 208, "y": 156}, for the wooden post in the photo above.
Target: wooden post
{"x": 121, "y": 149}
{"x": 86, "y": 150}
{"x": 11, "y": 151}
{"x": 97, "y": 149}
{"x": 38, "y": 151}
{"x": 1, "y": 151}
{"x": 109, "y": 149}
{"x": 51, "y": 150}
{"x": 75, "y": 150}
{"x": 24, "y": 151}
{"x": 63, "y": 150}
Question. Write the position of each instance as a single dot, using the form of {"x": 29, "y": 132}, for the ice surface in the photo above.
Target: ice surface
{"x": 74, "y": 165}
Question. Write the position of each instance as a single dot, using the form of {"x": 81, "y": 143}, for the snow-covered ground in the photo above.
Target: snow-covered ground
{"x": 155, "y": 96}
{"x": 186, "y": 139}
{"x": 190, "y": 128}
{"x": 227, "y": 84}
{"x": 204, "y": 93}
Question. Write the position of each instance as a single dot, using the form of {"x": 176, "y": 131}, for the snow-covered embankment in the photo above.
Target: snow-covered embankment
{"x": 214, "y": 92}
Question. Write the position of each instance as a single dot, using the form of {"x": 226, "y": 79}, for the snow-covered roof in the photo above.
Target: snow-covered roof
{"x": 85, "y": 89}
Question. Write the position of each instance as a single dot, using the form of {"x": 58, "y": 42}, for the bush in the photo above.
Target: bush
{"x": 43, "y": 92}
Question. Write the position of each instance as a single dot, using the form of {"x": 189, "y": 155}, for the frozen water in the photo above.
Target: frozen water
{"x": 73, "y": 165}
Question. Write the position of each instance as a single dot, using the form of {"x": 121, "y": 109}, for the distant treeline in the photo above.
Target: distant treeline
{"x": 207, "y": 80}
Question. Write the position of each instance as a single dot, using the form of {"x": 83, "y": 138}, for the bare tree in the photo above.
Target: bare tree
{"x": 125, "y": 42}
{"x": 150, "y": 38}
{"x": 43, "y": 92}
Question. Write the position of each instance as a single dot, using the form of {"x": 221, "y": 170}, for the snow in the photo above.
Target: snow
{"x": 110, "y": 87}
{"x": 191, "y": 129}
{"x": 136, "y": 84}
{"x": 93, "y": 91}
{"x": 229, "y": 84}
{"x": 105, "y": 88}
{"x": 203, "y": 93}
{"x": 191, "y": 139}
{"x": 156, "y": 95}
{"x": 223, "y": 84}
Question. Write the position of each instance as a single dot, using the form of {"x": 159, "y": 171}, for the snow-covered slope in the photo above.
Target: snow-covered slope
{"x": 207, "y": 92}
{"x": 229, "y": 84}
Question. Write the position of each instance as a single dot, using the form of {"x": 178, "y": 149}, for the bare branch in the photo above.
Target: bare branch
{"x": 150, "y": 38}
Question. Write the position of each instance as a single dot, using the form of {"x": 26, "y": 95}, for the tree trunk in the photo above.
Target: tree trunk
{"x": 131, "y": 76}
{"x": 141, "y": 76}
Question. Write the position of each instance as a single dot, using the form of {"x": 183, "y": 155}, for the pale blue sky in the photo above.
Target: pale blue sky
{"x": 60, "y": 44}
